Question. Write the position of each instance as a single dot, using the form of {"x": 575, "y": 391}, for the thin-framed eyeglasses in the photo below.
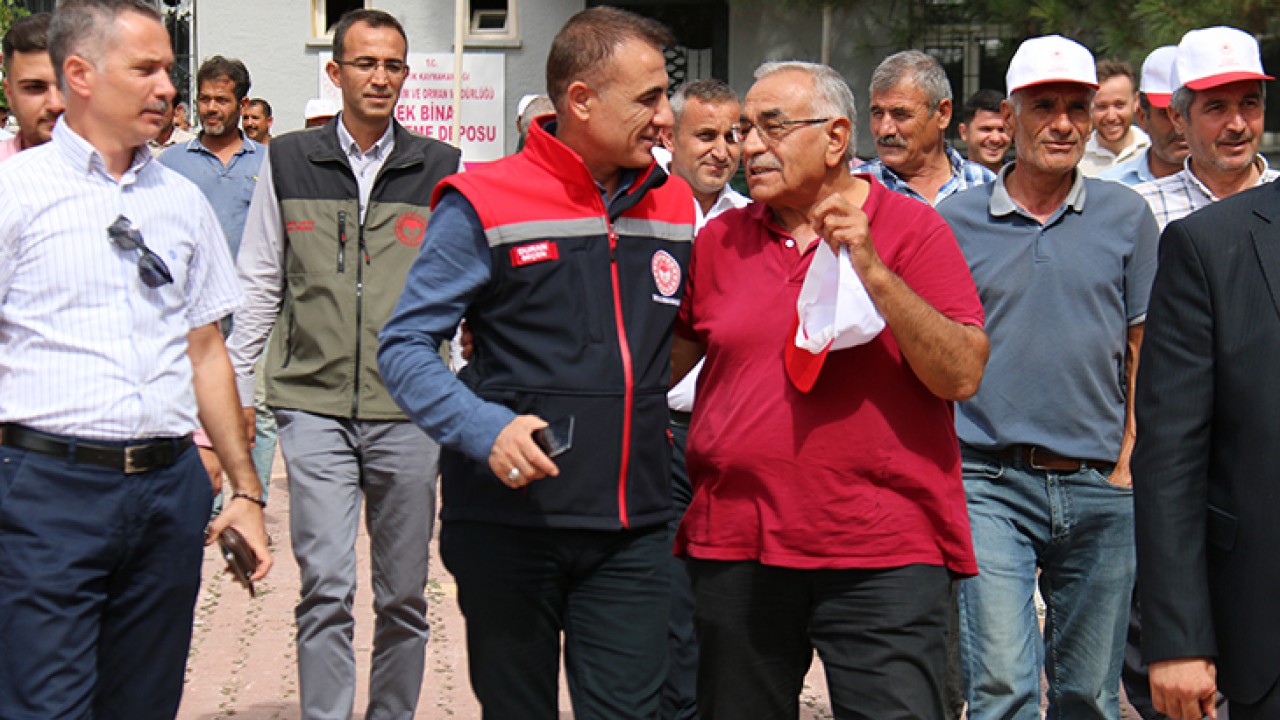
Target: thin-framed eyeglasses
{"x": 151, "y": 268}
{"x": 366, "y": 65}
{"x": 772, "y": 131}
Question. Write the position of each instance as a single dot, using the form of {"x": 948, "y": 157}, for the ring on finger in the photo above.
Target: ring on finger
{"x": 513, "y": 474}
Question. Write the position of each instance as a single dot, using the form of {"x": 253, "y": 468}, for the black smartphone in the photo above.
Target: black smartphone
{"x": 556, "y": 438}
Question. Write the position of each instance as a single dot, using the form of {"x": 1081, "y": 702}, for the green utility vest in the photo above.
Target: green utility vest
{"x": 342, "y": 278}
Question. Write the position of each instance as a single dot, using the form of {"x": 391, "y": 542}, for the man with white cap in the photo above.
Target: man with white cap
{"x": 1218, "y": 104}
{"x": 319, "y": 111}
{"x": 827, "y": 510}
{"x": 1168, "y": 147}
{"x": 1063, "y": 265}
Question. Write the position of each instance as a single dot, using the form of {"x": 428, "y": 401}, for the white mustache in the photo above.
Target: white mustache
{"x": 891, "y": 141}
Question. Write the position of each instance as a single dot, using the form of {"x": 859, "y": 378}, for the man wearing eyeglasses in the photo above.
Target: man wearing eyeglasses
{"x": 337, "y": 218}
{"x": 827, "y": 510}
{"x": 1064, "y": 265}
{"x": 568, "y": 261}
{"x": 113, "y": 275}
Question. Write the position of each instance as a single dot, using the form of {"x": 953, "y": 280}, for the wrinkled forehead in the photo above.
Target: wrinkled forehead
{"x": 780, "y": 96}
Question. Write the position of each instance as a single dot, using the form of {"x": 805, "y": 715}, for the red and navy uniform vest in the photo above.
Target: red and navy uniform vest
{"x": 576, "y": 320}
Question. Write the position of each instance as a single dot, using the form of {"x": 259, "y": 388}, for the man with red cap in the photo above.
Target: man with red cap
{"x": 1063, "y": 265}
{"x": 1168, "y": 146}
{"x": 1218, "y": 105}
{"x": 827, "y": 510}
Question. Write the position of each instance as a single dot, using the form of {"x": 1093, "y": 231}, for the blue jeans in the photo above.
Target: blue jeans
{"x": 1076, "y": 528}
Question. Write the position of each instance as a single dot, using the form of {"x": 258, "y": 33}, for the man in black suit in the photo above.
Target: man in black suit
{"x": 1205, "y": 466}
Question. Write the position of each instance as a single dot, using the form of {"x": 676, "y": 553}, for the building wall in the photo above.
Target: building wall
{"x": 861, "y": 36}
{"x": 273, "y": 38}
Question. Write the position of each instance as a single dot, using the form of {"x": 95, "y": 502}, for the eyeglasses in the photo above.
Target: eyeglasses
{"x": 365, "y": 65}
{"x": 771, "y": 131}
{"x": 151, "y": 267}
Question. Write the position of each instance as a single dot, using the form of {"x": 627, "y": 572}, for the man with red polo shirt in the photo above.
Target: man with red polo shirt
{"x": 828, "y": 510}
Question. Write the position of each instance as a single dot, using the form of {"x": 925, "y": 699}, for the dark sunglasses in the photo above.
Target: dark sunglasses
{"x": 151, "y": 267}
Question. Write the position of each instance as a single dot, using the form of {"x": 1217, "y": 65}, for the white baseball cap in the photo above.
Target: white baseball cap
{"x": 320, "y": 107}
{"x": 524, "y": 104}
{"x": 1215, "y": 56}
{"x": 1157, "y": 75}
{"x": 1050, "y": 59}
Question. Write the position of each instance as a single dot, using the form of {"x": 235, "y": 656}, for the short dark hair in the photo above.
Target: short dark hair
{"x": 266, "y": 106}
{"x": 588, "y": 40}
{"x": 218, "y": 67}
{"x": 30, "y": 34}
{"x": 987, "y": 100}
{"x": 83, "y": 27}
{"x": 1115, "y": 67}
{"x": 372, "y": 18}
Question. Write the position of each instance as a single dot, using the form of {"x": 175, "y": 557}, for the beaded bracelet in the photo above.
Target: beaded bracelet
{"x": 257, "y": 500}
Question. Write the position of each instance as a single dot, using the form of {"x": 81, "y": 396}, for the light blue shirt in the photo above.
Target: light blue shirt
{"x": 1060, "y": 297}
{"x": 88, "y": 349}
{"x": 229, "y": 188}
{"x": 964, "y": 175}
{"x": 1130, "y": 173}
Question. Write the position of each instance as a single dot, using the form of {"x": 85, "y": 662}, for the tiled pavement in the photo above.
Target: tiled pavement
{"x": 243, "y": 665}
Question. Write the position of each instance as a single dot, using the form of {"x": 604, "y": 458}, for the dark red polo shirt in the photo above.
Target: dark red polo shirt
{"x": 861, "y": 472}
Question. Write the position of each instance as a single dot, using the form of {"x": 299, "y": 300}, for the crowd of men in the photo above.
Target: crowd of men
{"x": 880, "y": 414}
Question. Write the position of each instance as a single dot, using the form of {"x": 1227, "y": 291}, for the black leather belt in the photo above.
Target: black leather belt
{"x": 680, "y": 418}
{"x": 128, "y": 458}
{"x": 1038, "y": 458}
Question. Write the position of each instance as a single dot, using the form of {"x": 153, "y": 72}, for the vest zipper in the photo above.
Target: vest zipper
{"x": 364, "y": 251}
{"x": 342, "y": 241}
{"x": 628, "y": 381}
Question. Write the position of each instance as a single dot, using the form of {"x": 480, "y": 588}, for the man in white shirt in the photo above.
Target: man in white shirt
{"x": 1218, "y": 105}
{"x": 705, "y": 154}
{"x": 113, "y": 275}
{"x": 1115, "y": 140}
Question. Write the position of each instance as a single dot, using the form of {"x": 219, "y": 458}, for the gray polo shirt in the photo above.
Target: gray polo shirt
{"x": 1059, "y": 300}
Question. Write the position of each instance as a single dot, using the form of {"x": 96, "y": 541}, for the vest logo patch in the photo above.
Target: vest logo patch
{"x": 666, "y": 273}
{"x": 522, "y": 255}
{"x": 411, "y": 228}
{"x": 300, "y": 226}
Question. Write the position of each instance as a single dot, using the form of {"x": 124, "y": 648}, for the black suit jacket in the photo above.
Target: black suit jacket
{"x": 1206, "y": 468}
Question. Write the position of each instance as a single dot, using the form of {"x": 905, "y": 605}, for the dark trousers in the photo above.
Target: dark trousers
{"x": 520, "y": 588}
{"x": 880, "y": 634}
{"x": 99, "y": 573}
{"x": 679, "y": 692}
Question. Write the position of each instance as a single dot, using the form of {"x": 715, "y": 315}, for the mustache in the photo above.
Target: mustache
{"x": 763, "y": 165}
{"x": 892, "y": 141}
{"x": 158, "y": 106}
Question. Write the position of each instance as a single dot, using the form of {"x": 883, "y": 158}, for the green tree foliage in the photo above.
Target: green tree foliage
{"x": 1123, "y": 28}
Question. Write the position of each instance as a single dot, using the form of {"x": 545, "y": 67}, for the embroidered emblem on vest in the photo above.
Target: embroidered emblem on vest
{"x": 666, "y": 273}
{"x": 410, "y": 229}
{"x": 522, "y": 255}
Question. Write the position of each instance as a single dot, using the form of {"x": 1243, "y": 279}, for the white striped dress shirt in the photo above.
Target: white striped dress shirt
{"x": 1176, "y": 196}
{"x": 87, "y": 349}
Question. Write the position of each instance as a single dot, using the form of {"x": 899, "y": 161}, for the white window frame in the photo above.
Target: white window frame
{"x": 508, "y": 36}
{"x": 320, "y": 21}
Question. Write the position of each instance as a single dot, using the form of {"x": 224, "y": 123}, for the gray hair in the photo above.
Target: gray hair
{"x": 1184, "y": 96}
{"x": 832, "y": 95}
{"x": 916, "y": 68}
{"x": 708, "y": 91}
{"x": 86, "y": 28}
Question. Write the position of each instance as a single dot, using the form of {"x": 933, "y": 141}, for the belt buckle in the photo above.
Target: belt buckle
{"x": 134, "y": 459}
{"x": 1031, "y": 459}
